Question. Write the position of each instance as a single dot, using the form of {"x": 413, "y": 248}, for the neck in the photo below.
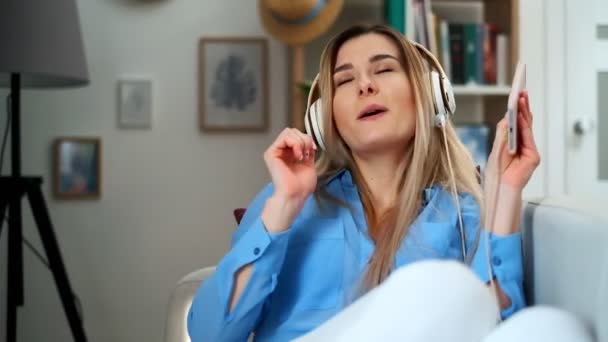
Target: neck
{"x": 382, "y": 173}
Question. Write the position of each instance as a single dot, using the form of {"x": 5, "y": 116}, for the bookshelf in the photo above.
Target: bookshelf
{"x": 480, "y": 90}
{"x": 477, "y": 103}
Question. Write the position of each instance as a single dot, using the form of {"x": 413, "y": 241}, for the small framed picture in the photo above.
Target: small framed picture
{"x": 233, "y": 84}
{"x": 77, "y": 168}
{"x": 134, "y": 103}
{"x": 476, "y": 137}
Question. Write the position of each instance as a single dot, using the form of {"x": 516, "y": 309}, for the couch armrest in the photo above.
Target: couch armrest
{"x": 565, "y": 242}
{"x": 179, "y": 304}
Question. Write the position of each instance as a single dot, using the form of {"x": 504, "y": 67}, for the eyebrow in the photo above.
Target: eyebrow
{"x": 373, "y": 59}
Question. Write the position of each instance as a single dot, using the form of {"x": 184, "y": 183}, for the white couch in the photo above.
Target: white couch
{"x": 565, "y": 243}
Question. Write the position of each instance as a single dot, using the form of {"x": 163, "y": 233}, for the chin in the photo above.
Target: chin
{"x": 377, "y": 144}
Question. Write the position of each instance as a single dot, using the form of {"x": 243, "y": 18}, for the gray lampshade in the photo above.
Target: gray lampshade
{"x": 41, "y": 40}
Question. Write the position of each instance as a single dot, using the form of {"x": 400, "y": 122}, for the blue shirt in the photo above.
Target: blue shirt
{"x": 307, "y": 274}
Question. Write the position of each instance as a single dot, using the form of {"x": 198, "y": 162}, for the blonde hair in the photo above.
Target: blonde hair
{"x": 428, "y": 155}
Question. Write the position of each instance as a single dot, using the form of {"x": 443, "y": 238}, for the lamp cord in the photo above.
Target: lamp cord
{"x": 6, "y": 129}
{"x": 8, "y": 123}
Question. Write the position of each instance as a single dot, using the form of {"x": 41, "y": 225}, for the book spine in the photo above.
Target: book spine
{"x": 502, "y": 59}
{"x": 428, "y": 24}
{"x": 489, "y": 52}
{"x": 394, "y": 14}
{"x": 445, "y": 48}
{"x": 457, "y": 52}
{"x": 437, "y": 35}
{"x": 470, "y": 57}
{"x": 479, "y": 53}
{"x": 434, "y": 34}
{"x": 409, "y": 21}
{"x": 420, "y": 30}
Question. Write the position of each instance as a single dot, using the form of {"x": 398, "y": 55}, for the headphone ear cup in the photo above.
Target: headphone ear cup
{"x": 440, "y": 108}
{"x": 315, "y": 121}
{"x": 448, "y": 95}
{"x": 307, "y": 123}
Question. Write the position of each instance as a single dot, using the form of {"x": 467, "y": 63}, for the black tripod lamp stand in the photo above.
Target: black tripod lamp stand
{"x": 40, "y": 47}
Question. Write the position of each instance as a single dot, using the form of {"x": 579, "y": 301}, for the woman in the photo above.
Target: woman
{"x": 331, "y": 228}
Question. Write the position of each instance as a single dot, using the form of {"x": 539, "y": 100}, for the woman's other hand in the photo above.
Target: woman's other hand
{"x": 290, "y": 159}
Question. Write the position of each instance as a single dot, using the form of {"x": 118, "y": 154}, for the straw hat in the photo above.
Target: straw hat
{"x": 297, "y": 22}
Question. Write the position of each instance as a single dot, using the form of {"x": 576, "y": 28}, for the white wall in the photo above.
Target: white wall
{"x": 531, "y": 32}
{"x": 168, "y": 192}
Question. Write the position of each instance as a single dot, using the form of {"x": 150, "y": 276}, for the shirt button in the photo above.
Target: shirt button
{"x": 256, "y": 251}
{"x": 496, "y": 261}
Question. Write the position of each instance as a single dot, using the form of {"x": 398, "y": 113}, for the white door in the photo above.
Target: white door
{"x": 586, "y": 94}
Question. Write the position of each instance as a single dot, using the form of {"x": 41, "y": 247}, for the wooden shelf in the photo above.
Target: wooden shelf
{"x": 480, "y": 90}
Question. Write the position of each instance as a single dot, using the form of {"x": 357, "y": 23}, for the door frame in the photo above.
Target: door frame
{"x": 556, "y": 102}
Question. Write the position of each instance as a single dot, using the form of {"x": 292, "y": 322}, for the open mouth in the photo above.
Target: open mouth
{"x": 372, "y": 111}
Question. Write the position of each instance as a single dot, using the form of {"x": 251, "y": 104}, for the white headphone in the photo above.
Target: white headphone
{"x": 444, "y": 103}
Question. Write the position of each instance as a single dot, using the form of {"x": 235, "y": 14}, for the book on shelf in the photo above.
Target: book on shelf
{"x": 395, "y": 15}
{"x": 470, "y": 50}
{"x": 473, "y": 53}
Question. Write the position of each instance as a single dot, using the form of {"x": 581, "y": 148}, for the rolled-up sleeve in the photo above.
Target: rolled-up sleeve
{"x": 505, "y": 259}
{"x": 506, "y": 264}
{"x": 209, "y": 318}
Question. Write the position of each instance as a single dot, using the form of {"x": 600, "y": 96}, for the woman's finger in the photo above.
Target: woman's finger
{"x": 295, "y": 145}
{"x": 307, "y": 144}
{"x": 526, "y": 135}
{"x": 287, "y": 145}
{"x": 529, "y": 151}
{"x": 311, "y": 158}
{"x": 294, "y": 133}
{"x": 527, "y": 97}
{"x": 300, "y": 141}
{"x": 524, "y": 106}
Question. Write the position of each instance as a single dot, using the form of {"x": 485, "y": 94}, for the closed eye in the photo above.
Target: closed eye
{"x": 381, "y": 71}
{"x": 341, "y": 82}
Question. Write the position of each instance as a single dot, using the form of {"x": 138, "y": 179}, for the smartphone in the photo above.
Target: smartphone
{"x": 518, "y": 85}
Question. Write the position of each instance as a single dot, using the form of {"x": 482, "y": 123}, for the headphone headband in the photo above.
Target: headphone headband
{"x": 430, "y": 57}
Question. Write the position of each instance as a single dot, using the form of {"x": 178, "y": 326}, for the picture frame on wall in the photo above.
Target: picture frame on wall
{"x": 135, "y": 102}
{"x": 77, "y": 168}
{"x": 233, "y": 84}
{"x": 476, "y": 137}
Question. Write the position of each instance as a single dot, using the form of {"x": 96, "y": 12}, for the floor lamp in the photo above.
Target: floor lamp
{"x": 40, "y": 47}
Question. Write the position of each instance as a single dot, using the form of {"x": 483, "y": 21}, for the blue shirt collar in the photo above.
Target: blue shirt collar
{"x": 343, "y": 175}
{"x": 346, "y": 179}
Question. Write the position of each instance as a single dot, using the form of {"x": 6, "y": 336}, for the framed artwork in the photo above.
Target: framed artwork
{"x": 233, "y": 84}
{"x": 77, "y": 168}
{"x": 476, "y": 137}
{"x": 134, "y": 103}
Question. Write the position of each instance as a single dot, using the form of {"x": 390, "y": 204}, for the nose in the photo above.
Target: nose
{"x": 367, "y": 87}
